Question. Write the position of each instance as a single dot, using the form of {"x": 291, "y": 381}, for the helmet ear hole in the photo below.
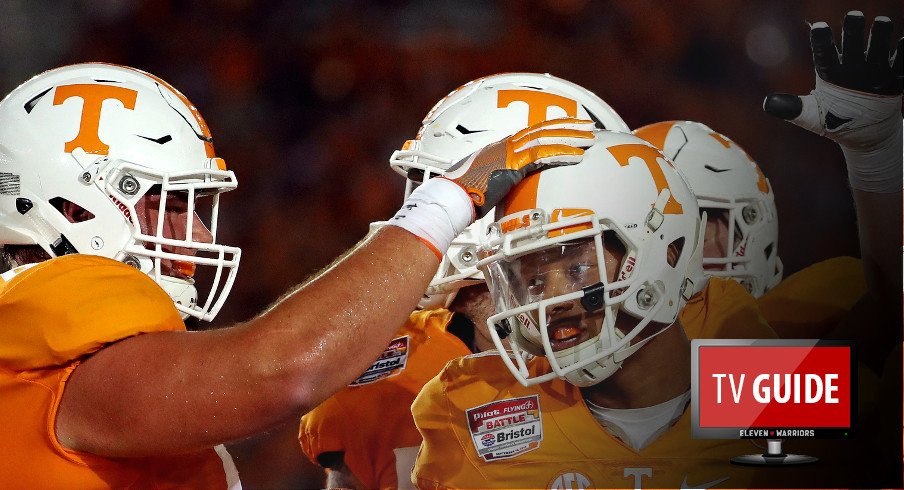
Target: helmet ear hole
{"x": 71, "y": 211}
{"x": 673, "y": 253}
{"x": 768, "y": 251}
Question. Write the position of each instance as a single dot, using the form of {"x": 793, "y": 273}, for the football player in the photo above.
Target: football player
{"x": 109, "y": 195}
{"x": 365, "y": 434}
{"x": 741, "y": 238}
{"x": 467, "y": 449}
{"x": 741, "y": 242}
{"x": 589, "y": 269}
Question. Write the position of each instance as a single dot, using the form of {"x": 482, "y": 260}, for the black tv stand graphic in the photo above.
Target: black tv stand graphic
{"x": 774, "y": 456}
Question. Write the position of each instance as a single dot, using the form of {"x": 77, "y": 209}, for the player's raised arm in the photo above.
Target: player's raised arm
{"x": 857, "y": 104}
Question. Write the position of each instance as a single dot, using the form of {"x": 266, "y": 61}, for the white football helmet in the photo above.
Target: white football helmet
{"x": 472, "y": 116}
{"x": 584, "y": 257}
{"x": 102, "y": 137}
{"x": 727, "y": 180}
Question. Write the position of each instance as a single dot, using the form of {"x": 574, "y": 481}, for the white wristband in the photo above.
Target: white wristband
{"x": 436, "y": 212}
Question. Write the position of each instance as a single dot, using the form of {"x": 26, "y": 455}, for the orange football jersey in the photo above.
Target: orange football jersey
{"x": 53, "y": 315}
{"x": 371, "y": 418}
{"x": 483, "y": 429}
{"x": 811, "y": 302}
{"x": 724, "y": 310}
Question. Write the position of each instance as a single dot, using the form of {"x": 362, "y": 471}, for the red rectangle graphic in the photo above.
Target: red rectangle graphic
{"x": 760, "y": 386}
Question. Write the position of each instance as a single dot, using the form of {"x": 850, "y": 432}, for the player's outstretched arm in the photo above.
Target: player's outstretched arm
{"x": 168, "y": 392}
{"x": 857, "y": 104}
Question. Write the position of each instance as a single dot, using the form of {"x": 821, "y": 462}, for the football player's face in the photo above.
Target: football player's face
{"x": 715, "y": 238}
{"x": 564, "y": 269}
{"x": 175, "y": 224}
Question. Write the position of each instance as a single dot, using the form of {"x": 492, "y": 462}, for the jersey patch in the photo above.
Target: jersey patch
{"x": 507, "y": 428}
{"x": 390, "y": 363}
{"x": 571, "y": 480}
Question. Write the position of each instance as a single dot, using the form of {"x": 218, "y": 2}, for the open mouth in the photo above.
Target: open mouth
{"x": 179, "y": 270}
{"x": 566, "y": 333}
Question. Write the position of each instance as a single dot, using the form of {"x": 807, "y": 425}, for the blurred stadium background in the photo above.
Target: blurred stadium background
{"x": 307, "y": 100}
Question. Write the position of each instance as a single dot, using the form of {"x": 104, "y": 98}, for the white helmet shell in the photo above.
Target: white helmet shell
{"x": 102, "y": 136}
{"x": 626, "y": 190}
{"x": 472, "y": 116}
{"x": 726, "y": 179}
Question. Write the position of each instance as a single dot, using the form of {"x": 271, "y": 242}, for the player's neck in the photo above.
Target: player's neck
{"x": 658, "y": 372}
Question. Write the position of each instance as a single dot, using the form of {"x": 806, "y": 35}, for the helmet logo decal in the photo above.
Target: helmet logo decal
{"x": 515, "y": 223}
{"x": 650, "y": 156}
{"x": 657, "y": 133}
{"x": 93, "y": 97}
{"x": 629, "y": 266}
{"x": 204, "y": 135}
{"x": 537, "y": 103}
{"x": 762, "y": 184}
{"x": 558, "y": 214}
{"x": 122, "y": 208}
{"x": 721, "y": 139}
{"x": 561, "y": 213}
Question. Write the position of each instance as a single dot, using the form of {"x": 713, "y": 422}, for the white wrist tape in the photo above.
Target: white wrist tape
{"x": 436, "y": 212}
{"x": 878, "y": 170}
{"x": 866, "y": 126}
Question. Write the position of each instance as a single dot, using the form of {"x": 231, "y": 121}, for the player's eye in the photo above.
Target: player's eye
{"x": 578, "y": 272}
{"x": 536, "y": 285}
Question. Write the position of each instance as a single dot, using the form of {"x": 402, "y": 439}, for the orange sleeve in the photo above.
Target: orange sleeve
{"x": 724, "y": 310}
{"x": 812, "y": 301}
{"x": 73, "y": 305}
{"x": 323, "y": 430}
{"x": 52, "y": 315}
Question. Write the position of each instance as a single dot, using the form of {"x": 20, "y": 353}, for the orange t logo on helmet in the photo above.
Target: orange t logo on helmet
{"x": 537, "y": 103}
{"x": 93, "y": 97}
{"x": 623, "y": 154}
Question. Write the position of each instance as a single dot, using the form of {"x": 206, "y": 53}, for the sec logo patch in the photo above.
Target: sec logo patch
{"x": 571, "y": 480}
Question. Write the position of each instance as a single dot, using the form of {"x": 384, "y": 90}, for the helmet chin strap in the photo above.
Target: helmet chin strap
{"x": 183, "y": 293}
{"x": 605, "y": 367}
{"x": 53, "y": 242}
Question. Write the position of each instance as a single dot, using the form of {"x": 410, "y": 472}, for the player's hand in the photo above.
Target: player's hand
{"x": 488, "y": 174}
{"x": 857, "y": 99}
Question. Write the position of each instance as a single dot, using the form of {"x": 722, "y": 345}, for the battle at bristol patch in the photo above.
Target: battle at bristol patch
{"x": 506, "y": 428}
{"x": 390, "y": 363}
